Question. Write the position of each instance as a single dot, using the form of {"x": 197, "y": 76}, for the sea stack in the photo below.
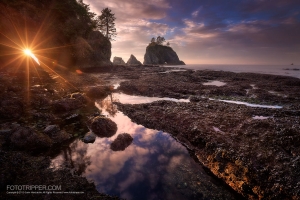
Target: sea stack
{"x": 133, "y": 61}
{"x": 157, "y": 54}
{"x": 118, "y": 61}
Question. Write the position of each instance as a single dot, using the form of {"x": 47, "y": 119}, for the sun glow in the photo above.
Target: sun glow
{"x": 29, "y": 53}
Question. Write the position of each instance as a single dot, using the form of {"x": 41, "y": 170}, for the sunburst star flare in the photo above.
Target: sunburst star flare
{"x": 29, "y": 53}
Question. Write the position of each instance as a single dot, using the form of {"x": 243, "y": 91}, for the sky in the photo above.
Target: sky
{"x": 208, "y": 31}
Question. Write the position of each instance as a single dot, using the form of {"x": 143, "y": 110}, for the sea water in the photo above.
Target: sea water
{"x": 285, "y": 70}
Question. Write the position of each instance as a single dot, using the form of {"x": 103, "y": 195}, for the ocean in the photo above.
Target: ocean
{"x": 285, "y": 70}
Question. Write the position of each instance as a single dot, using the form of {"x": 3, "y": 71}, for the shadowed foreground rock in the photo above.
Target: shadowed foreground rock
{"x": 29, "y": 139}
{"x": 10, "y": 108}
{"x": 40, "y": 124}
{"x": 121, "y": 142}
{"x": 19, "y": 168}
{"x": 103, "y": 127}
{"x": 57, "y": 135}
{"x": 72, "y": 102}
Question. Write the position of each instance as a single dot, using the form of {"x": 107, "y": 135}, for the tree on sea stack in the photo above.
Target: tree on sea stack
{"x": 160, "y": 40}
{"x": 153, "y": 40}
{"x": 106, "y": 23}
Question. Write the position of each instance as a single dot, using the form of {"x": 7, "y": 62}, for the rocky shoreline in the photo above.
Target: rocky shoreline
{"x": 40, "y": 113}
{"x": 254, "y": 150}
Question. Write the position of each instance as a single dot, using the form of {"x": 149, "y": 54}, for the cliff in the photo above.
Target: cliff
{"x": 159, "y": 54}
{"x": 94, "y": 51}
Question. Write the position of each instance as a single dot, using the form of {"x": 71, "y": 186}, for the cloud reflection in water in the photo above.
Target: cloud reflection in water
{"x": 154, "y": 166}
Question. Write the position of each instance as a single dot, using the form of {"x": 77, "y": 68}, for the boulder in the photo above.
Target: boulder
{"x": 121, "y": 142}
{"x": 89, "y": 137}
{"x": 118, "y": 61}
{"x": 133, "y": 61}
{"x": 159, "y": 54}
{"x": 98, "y": 92}
{"x": 58, "y": 136}
{"x": 49, "y": 130}
{"x": 103, "y": 127}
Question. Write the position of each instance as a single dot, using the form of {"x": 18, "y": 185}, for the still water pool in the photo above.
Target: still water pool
{"x": 153, "y": 166}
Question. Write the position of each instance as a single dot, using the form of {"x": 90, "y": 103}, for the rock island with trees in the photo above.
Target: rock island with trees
{"x": 159, "y": 54}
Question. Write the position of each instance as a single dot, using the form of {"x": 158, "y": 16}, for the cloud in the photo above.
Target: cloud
{"x": 135, "y": 35}
{"x": 216, "y": 32}
{"x": 198, "y": 30}
{"x": 256, "y": 41}
{"x": 273, "y": 6}
{"x": 133, "y": 9}
{"x": 134, "y": 24}
{"x": 195, "y": 13}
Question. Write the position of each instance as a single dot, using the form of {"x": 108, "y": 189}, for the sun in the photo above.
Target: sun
{"x": 27, "y": 52}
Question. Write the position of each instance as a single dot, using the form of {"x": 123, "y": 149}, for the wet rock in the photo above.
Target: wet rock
{"x": 27, "y": 138}
{"x": 57, "y": 135}
{"x": 14, "y": 88}
{"x": 98, "y": 92}
{"x": 5, "y": 132}
{"x": 238, "y": 87}
{"x": 75, "y": 101}
{"x": 89, "y": 137}
{"x": 61, "y": 136}
{"x": 103, "y": 127}
{"x": 11, "y": 108}
{"x": 19, "y": 168}
{"x": 51, "y": 129}
{"x": 72, "y": 118}
{"x": 80, "y": 97}
{"x": 195, "y": 98}
{"x": 251, "y": 156}
{"x": 121, "y": 142}
{"x": 42, "y": 116}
